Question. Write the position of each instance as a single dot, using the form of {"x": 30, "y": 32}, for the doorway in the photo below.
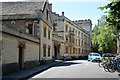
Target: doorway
{"x": 21, "y": 57}
{"x": 55, "y": 52}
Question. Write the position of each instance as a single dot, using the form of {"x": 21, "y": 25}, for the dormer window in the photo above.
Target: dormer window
{"x": 29, "y": 28}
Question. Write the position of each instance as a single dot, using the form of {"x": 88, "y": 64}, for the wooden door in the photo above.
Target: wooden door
{"x": 21, "y": 57}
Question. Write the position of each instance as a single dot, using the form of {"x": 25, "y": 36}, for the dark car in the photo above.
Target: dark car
{"x": 106, "y": 56}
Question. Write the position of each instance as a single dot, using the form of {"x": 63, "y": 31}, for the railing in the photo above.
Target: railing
{"x": 71, "y": 32}
{"x": 70, "y": 43}
{"x": 57, "y": 37}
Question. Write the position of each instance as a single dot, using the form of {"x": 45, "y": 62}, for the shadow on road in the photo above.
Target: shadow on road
{"x": 67, "y": 64}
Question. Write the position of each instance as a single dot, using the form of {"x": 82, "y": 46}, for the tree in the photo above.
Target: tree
{"x": 95, "y": 33}
{"x": 104, "y": 37}
{"x": 113, "y": 14}
{"x": 113, "y": 17}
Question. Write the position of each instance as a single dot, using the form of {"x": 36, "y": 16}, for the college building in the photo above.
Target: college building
{"x": 76, "y": 39}
{"x": 26, "y": 34}
{"x": 31, "y": 33}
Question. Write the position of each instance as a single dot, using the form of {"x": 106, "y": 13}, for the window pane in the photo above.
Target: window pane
{"x": 44, "y": 50}
{"x": 44, "y": 32}
{"x": 48, "y": 51}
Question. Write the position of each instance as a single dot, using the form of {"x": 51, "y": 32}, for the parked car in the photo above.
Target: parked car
{"x": 94, "y": 57}
{"x": 117, "y": 57}
{"x": 106, "y": 56}
{"x": 66, "y": 56}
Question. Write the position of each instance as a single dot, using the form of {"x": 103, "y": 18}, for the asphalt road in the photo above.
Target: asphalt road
{"x": 76, "y": 69}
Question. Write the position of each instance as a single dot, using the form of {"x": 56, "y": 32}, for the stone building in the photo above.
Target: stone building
{"x": 31, "y": 33}
{"x": 77, "y": 41}
{"x": 85, "y": 24}
{"x": 26, "y": 34}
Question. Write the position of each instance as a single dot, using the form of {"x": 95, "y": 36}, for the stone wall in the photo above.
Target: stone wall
{"x": 10, "y": 54}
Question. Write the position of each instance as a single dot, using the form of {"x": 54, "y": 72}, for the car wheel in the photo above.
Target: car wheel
{"x": 92, "y": 60}
{"x": 100, "y": 64}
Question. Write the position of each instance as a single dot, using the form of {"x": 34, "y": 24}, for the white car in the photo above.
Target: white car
{"x": 94, "y": 57}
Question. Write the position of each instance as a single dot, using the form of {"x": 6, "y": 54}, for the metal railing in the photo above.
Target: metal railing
{"x": 57, "y": 37}
{"x": 71, "y": 32}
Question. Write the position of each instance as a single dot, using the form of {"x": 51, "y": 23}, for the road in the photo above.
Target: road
{"x": 76, "y": 69}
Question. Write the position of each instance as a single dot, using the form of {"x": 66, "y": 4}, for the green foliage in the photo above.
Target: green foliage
{"x": 104, "y": 37}
{"x": 113, "y": 14}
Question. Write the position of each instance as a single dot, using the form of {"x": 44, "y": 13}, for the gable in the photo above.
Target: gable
{"x": 47, "y": 13}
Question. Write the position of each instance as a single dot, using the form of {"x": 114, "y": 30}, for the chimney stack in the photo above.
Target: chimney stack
{"x": 98, "y": 22}
{"x": 63, "y": 13}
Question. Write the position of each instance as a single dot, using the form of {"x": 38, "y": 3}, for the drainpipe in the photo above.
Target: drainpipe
{"x": 39, "y": 50}
{"x": 39, "y": 40}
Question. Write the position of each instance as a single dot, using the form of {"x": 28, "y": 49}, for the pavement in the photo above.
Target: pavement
{"x": 23, "y": 74}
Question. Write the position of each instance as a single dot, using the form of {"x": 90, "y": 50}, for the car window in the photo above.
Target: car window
{"x": 117, "y": 57}
{"x": 90, "y": 54}
{"x": 96, "y": 55}
{"x": 108, "y": 55}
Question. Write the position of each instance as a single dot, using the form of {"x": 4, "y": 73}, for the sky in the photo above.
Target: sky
{"x": 79, "y": 10}
{"x": 76, "y": 9}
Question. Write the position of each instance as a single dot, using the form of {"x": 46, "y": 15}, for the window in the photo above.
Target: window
{"x": 79, "y": 34}
{"x": 49, "y": 51}
{"x": 73, "y": 50}
{"x": 82, "y": 51}
{"x": 54, "y": 28}
{"x": 66, "y": 38}
{"x": 82, "y": 43}
{"x": 44, "y": 32}
{"x": 76, "y": 33}
{"x": 70, "y": 29}
{"x": 70, "y": 50}
{"x": 49, "y": 34}
{"x": 44, "y": 50}
{"x": 66, "y": 49}
{"x": 82, "y": 35}
{"x": 79, "y": 43}
{"x": 76, "y": 41}
{"x": 47, "y": 14}
{"x": 66, "y": 28}
{"x": 30, "y": 27}
{"x": 76, "y": 50}
{"x": 79, "y": 50}
{"x": 73, "y": 30}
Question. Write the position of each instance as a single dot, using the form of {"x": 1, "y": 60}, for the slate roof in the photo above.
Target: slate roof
{"x": 9, "y": 8}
